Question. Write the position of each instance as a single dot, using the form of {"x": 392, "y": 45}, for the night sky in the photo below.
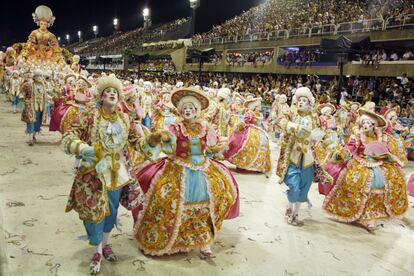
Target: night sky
{"x": 16, "y": 18}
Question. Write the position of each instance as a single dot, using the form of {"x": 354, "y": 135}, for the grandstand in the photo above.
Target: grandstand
{"x": 279, "y": 36}
{"x": 120, "y": 42}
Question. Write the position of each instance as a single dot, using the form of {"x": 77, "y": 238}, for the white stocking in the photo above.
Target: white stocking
{"x": 296, "y": 208}
{"x": 99, "y": 249}
{"x": 105, "y": 239}
{"x": 290, "y": 205}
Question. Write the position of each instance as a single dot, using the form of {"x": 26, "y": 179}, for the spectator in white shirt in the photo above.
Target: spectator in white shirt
{"x": 407, "y": 55}
{"x": 394, "y": 56}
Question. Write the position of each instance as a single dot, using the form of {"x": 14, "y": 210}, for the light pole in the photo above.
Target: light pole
{"x": 194, "y": 4}
{"x": 95, "y": 30}
{"x": 147, "y": 17}
{"x": 68, "y": 38}
{"x": 116, "y": 24}
{"x": 80, "y": 36}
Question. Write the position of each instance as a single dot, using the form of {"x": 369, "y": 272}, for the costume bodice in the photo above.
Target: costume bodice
{"x": 190, "y": 147}
{"x": 44, "y": 38}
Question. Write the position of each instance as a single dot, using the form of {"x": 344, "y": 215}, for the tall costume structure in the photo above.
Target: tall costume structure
{"x": 42, "y": 46}
{"x": 104, "y": 178}
{"x": 188, "y": 195}
{"x": 370, "y": 185}
{"x": 298, "y": 166}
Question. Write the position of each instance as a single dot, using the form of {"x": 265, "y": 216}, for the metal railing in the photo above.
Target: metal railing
{"x": 404, "y": 21}
{"x": 365, "y": 25}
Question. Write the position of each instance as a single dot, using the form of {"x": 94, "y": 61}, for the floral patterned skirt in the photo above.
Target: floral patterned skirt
{"x": 353, "y": 198}
{"x": 249, "y": 149}
{"x": 167, "y": 224}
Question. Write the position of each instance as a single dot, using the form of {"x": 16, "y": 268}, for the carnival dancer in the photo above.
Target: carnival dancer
{"x": 343, "y": 119}
{"x": 298, "y": 166}
{"x": 165, "y": 114}
{"x": 237, "y": 110}
{"x": 14, "y": 90}
{"x": 188, "y": 195}
{"x": 103, "y": 180}
{"x": 10, "y": 58}
{"x": 63, "y": 102}
{"x": 249, "y": 147}
{"x": 68, "y": 110}
{"x": 273, "y": 117}
{"x": 146, "y": 105}
{"x": 34, "y": 95}
{"x": 396, "y": 142}
{"x": 130, "y": 107}
{"x": 282, "y": 111}
{"x": 75, "y": 66}
{"x": 371, "y": 185}
{"x": 353, "y": 115}
{"x": 51, "y": 94}
{"x": 332, "y": 131}
{"x": 221, "y": 119}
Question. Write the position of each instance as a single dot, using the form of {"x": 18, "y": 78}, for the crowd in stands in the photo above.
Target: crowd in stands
{"x": 274, "y": 15}
{"x": 299, "y": 58}
{"x": 120, "y": 42}
{"x": 159, "y": 65}
{"x": 376, "y": 56}
{"x": 378, "y": 89}
{"x": 259, "y": 56}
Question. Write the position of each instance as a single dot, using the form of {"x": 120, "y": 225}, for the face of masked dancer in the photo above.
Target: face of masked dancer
{"x": 110, "y": 97}
{"x": 303, "y": 104}
{"x": 367, "y": 126}
{"x": 189, "y": 111}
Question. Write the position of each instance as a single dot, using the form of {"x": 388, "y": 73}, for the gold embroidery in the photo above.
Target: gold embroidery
{"x": 161, "y": 214}
{"x": 254, "y": 156}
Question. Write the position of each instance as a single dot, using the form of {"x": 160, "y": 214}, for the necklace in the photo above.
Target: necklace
{"x": 109, "y": 117}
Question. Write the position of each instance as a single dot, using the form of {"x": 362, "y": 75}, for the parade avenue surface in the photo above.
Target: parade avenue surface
{"x": 39, "y": 238}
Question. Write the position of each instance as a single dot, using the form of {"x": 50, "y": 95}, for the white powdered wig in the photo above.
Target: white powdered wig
{"x": 43, "y": 12}
{"x": 224, "y": 93}
{"x": 390, "y": 114}
{"x": 326, "y": 110}
{"x": 109, "y": 82}
{"x": 282, "y": 98}
{"x": 305, "y": 92}
{"x": 370, "y": 106}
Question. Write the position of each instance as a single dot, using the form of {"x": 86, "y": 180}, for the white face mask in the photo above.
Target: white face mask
{"x": 367, "y": 126}
{"x": 189, "y": 111}
{"x": 303, "y": 104}
{"x": 110, "y": 97}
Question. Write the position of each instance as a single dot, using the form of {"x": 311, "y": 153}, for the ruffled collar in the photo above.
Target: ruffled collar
{"x": 196, "y": 129}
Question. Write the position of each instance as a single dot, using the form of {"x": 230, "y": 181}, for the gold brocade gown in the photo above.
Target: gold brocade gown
{"x": 366, "y": 189}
